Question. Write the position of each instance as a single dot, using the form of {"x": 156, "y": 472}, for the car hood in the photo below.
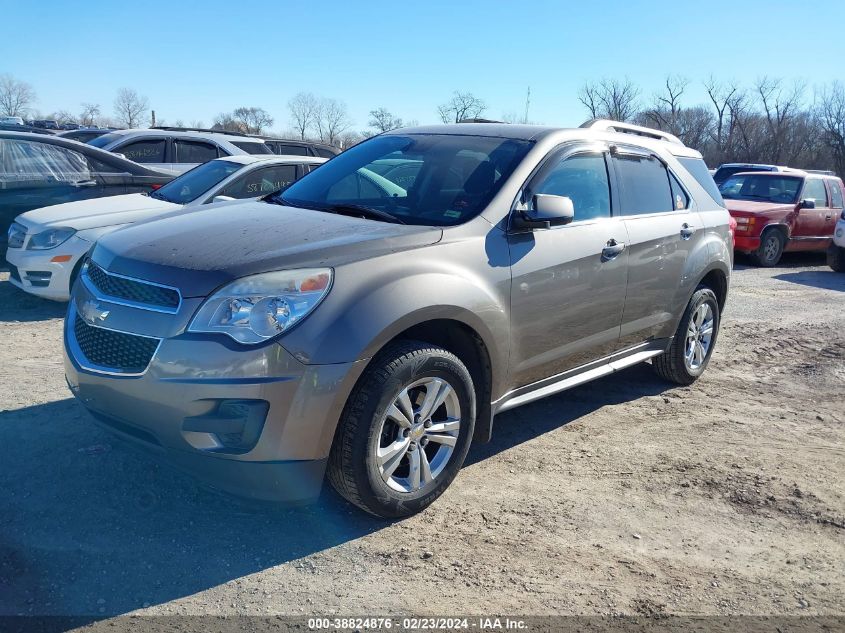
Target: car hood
{"x": 199, "y": 250}
{"x": 750, "y": 206}
{"x": 90, "y": 214}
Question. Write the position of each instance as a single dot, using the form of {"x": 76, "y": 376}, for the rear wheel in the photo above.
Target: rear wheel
{"x": 771, "y": 248}
{"x": 836, "y": 258}
{"x": 691, "y": 348}
{"x": 405, "y": 430}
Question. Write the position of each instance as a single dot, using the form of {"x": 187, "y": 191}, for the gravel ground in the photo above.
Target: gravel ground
{"x": 625, "y": 496}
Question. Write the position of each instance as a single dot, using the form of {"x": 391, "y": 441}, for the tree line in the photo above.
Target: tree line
{"x": 772, "y": 121}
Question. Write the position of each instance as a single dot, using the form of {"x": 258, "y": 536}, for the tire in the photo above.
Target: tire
{"x": 836, "y": 258}
{"x": 674, "y": 364}
{"x": 771, "y": 247}
{"x": 368, "y": 464}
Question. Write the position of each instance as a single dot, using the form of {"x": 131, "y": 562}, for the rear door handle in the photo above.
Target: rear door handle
{"x": 686, "y": 231}
{"x": 828, "y": 217}
{"x": 612, "y": 250}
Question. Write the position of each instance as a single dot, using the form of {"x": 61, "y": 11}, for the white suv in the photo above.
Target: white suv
{"x": 177, "y": 151}
{"x": 836, "y": 252}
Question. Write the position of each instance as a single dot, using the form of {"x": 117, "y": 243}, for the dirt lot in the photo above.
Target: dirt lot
{"x": 623, "y": 496}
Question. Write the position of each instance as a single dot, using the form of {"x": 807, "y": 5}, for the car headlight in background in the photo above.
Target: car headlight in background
{"x": 50, "y": 238}
{"x": 256, "y": 308}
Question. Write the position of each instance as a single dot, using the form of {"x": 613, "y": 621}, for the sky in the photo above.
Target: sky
{"x": 193, "y": 60}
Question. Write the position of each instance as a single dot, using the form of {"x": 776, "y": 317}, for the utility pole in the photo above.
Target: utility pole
{"x": 527, "y": 104}
{"x": 153, "y": 117}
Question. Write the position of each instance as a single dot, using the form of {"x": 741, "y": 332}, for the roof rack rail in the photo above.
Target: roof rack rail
{"x": 606, "y": 125}
{"x": 479, "y": 120}
{"x": 170, "y": 128}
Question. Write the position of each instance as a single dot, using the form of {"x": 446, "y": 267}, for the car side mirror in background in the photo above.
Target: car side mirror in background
{"x": 547, "y": 211}
{"x": 222, "y": 199}
{"x": 807, "y": 203}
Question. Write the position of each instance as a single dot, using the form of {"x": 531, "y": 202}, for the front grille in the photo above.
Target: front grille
{"x": 132, "y": 290}
{"x": 116, "y": 351}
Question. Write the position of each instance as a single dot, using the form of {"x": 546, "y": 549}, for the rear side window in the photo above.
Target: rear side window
{"x": 583, "y": 179}
{"x": 25, "y": 163}
{"x": 194, "y": 151}
{"x": 252, "y": 148}
{"x": 645, "y": 185}
{"x": 291, "y": 150}
{"x": 260, "y": 182}
{"x": 815, "y": 191}
{"x": 835, "y": 194}
{"x": 149, "y": 151}
{"x": 324, "y": 153}
{"x": 698, "y": 170}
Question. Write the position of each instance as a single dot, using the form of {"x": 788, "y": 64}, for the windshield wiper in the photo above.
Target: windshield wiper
{"x": 357, "y": 210}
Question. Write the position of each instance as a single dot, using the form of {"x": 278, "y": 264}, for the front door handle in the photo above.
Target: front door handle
{"x": 85, "y": 183}
{"x": 612, "y": 250}
{"x": 828, "y": 217}
{"x": 686, "y": 231}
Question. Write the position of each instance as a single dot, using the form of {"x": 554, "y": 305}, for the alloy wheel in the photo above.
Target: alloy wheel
{"x": 418, "y": 434}
{"x": 699, "y": 336}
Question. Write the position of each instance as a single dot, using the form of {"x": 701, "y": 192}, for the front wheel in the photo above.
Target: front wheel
{"x": 771, "y": 248}
{"x": 691, "y": 348}
{"x": 405, "y": 431}
{"x": 836, "y": 258}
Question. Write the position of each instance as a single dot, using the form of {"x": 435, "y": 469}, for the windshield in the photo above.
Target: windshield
{"x": 781, "y": 189}
{"x": 434, "y": 180}
{"x": 192, "y": 184}
{"x": 723, "y": 173}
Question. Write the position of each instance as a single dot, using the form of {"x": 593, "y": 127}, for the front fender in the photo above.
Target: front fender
{"x": 373, "y": 301}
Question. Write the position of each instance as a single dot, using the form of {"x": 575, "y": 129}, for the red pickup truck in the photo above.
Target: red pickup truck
{"x": 782, "y": 211}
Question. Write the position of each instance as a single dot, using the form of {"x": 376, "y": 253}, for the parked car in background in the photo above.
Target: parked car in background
{"x": 14, "y": 127}
{"x": 85, "y": 134}
{"x": 836, "y": 252}
{"x": 39, "y": 170}
{"x": 11, "y": 120}
{"x": 782, "y": 211}
{"x": 46, "y": 124}
{"x": 47, "y": 246}
{"x": 727, "y": 170}
{"x": 177, "y": 151}
{"x": 288, "y": 147}
{"x": 337, "y": 328}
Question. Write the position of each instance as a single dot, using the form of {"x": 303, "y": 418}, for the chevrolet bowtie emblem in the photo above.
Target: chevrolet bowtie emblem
{"x": 91, "y": 312}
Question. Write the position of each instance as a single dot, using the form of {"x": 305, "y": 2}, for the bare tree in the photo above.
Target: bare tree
{"x": 667, "y": 104}
{"x": 16, "y": 97}
{"x": 252, "y": 120}
{"x": 303, "y": 109}
{"x": 462, "y": 105}
{"x": 225, "y": 121}
{"x": 831, "y": 117}
{"x": 90, "y": 113}
{"x": 779, "y": 107}
{"x": 331, "y": 120}
{"x": 63, "y": 117}
{"x": 383, "y": 121}
{"x": 130, "y": 107}
{"x": 610, "y": 99}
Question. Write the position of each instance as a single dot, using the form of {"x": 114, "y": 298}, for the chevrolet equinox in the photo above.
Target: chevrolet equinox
{"x": 369, "y": 321}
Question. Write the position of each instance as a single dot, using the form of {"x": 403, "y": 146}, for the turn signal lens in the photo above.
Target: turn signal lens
{"x": 59, "y": 259}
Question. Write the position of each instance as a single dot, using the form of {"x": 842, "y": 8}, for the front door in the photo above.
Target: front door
{"x": 569, "y": 282}
{"x": 811, "y": 224}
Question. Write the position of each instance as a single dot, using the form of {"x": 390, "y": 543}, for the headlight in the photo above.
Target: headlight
{"x": 50, "y": 238}
{"x": 255, "y": 308}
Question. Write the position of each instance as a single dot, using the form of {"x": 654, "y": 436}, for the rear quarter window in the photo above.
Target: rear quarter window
{"x": 698, "y": 170}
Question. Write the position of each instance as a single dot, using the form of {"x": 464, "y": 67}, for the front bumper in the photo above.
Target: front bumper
{"x": 746, "y": 243}
{"x": 174, "y": 406}
{"x": 37, "y": 274}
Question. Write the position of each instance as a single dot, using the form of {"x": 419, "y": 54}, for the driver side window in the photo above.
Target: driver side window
{"x": 583, "y": 179}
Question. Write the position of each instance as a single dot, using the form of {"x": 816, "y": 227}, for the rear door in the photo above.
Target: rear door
{"x": 568, "y": 282}
{"x": 187, "y": 154}
{"x": 662, "y": 232}
{"x": 834, "y": 191}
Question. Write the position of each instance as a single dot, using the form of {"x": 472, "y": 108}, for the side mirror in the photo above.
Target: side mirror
{"x": 807, "y": 203}
{"x": 222, "y": 199}
{"x": 548, "y": 211}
